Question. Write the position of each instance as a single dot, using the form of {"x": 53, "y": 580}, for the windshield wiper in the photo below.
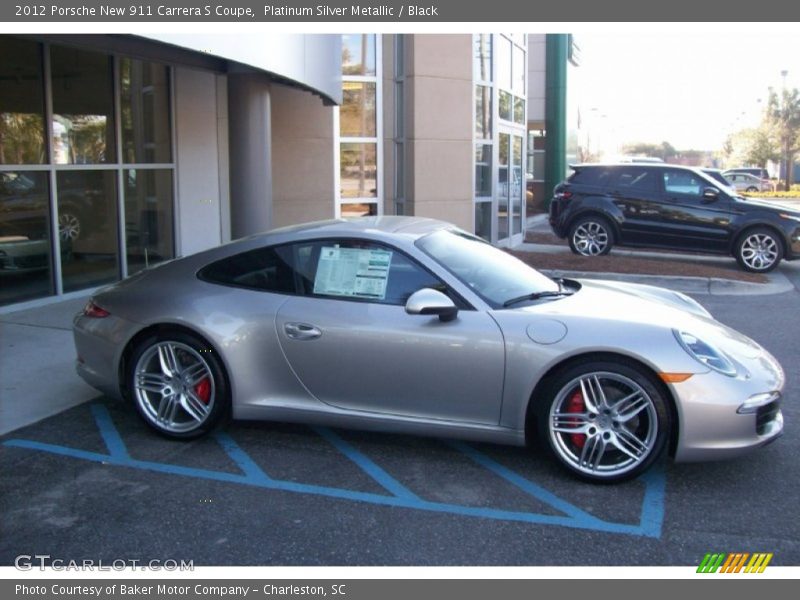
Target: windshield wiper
{"x": 536, "y": 296}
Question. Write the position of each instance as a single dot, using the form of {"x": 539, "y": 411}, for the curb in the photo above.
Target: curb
{"x": 713, "y": 286}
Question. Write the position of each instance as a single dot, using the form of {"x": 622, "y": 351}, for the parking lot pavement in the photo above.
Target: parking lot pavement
{"x": 93, "y": 482}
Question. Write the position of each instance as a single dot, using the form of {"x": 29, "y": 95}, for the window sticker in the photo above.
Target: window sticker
{"x": 353, "y": 272}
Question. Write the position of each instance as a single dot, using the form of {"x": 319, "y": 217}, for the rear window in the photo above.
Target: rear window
{"x": 264, "y": 269}
{"x": 590, "y": 176}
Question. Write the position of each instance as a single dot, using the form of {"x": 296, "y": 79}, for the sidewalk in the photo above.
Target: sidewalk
{"x": 37, "y": 364}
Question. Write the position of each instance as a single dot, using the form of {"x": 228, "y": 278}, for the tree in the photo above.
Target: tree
{"x": 751, "y": 147}
{"x": 783, "y": 118}
{"x": 664, "y": 150}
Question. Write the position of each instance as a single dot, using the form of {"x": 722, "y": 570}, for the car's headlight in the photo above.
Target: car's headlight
{"x": 705, "y": 353}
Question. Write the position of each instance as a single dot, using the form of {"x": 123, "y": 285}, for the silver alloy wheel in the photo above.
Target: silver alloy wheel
{"x": 759, "y": 251}
{"x": 69, "y": 227}
{"x": 590, "y": 238}
{"x": 614, "y": 433}
{"x": 166, "y": 381}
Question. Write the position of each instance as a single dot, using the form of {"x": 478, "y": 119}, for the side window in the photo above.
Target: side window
{"x": 636, "y": 178}
{"x": 590, "y": 176}
{"x": 682, "y": 182}
{"x": 350, "y": 269}
{"x": 263, "y": 269}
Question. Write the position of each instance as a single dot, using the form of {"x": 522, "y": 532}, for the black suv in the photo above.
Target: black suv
{"x": 668, "y": 206}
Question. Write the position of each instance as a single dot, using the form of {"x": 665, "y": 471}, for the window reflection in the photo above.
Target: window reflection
{"x": 358, "y": 54}
{"x": 83, "y": 101}
{"x": 506, "y": 101}
{"x": 148, "y": 217}
{"x": 361, "y": 209}
{"x": 357, "y": 113}
{"x": 483, "y": 170}
{"x": 87, "y": 223}
{"x": 358, "y": 170}
{"x": 483, "y": 112}
{"x": 144, "y": 99}
{"x": 21, "y": 103}
{"x": 516, "y": 185}
{"x": 483, "y": 220}
{"x": 483, "y": 57}
{"x": 25, "y": 264}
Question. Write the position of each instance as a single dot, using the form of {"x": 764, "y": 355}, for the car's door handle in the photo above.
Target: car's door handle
{"x": 301, "y": 331}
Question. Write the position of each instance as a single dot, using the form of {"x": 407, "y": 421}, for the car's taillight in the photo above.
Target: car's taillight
{"x": 565, "y": 194}
{"x": 95, "y": 312}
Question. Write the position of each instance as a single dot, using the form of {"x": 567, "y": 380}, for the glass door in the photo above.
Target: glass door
{"x": 509, "y": 189}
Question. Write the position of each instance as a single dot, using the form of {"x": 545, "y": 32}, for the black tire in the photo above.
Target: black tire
{"x": 591, "y": 235}
{"x": 751, "y": 189}
{"x": 758, "y": 250}
{"x": 605, "y": 442}
{"x": 178, "y": 385}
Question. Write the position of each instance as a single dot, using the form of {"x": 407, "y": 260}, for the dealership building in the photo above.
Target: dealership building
{"x": 119, "y": 151}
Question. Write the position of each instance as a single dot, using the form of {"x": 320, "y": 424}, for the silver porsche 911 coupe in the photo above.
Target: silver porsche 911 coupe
{"x": 411, "y": 325}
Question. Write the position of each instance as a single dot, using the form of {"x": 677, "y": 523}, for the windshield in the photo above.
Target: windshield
{"x": 494, "y": 275}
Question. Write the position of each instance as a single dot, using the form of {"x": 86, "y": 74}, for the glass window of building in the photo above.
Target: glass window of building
{"x": 360, "y": 128}
{"x": 483, "y": 112}
{"x": 83, "y": 107}
{"x": 504, "y": 57}
{"x": 358, "y": 55}
{"x": 25, "y": 251}
{"x": 22, "y": 137}
{"x": 88, "y": 237}
{"x": 148, "y": 217}
{"x": 357, "y": 112}
{"x": 144, "y": 100}
{"x": 483, "y": 57}
{"x": 87, "y": 219}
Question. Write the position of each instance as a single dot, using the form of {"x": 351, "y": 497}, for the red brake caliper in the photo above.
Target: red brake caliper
{"x": 576, "y": 405}
{"x": 203, "y": 390}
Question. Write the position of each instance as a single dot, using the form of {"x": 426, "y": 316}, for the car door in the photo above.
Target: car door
{"x": 637, "y": 196}
{"x": 688, "y": 219}
{"x": 350, "y": 342}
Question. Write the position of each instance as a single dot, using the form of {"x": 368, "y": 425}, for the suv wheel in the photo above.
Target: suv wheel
{"x": 591, "y": 236}
{"x": 759, "y": 250}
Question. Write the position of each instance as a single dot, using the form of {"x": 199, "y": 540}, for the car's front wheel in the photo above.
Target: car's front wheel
{"x": 591, "y": 236}
{"x": 759, "y": 250}
{"x": 178, "y": 385}
{"x": 605, "y": 421}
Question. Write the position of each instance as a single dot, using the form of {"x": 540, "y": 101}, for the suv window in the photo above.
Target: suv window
{"x": 683, "y": 182}
{"x": 590, "y": 176}
{"x": 636, "y": 178}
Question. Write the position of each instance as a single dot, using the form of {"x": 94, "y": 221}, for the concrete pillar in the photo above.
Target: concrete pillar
{"x": 250, "y": 153}
{"x": 556, "y": 111}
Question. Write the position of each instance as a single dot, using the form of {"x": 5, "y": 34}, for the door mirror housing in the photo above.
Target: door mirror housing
{"x": 428, "y": 301}
{"x": 710, "y": 194}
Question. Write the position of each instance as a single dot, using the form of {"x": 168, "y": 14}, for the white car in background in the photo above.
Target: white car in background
{"x": 745, "y": 182}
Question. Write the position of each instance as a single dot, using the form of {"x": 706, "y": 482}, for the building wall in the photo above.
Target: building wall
{"x": 536, "y": 76}
{"x": 302, "y": 157}
{"x": 439, "y": 127}
{"x": 201, "y": 193}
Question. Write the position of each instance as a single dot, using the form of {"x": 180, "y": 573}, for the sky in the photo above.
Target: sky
{"x": 690, "y": 89}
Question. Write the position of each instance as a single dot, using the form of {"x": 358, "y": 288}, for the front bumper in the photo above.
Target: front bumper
{"x": 711, "y": 426}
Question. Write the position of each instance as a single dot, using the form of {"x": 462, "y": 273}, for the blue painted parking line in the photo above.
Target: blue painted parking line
{"x": 649, "y": 526}
{"x": 366, "y": 464}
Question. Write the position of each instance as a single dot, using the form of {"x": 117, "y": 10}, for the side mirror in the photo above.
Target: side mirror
{"x": 430, "y": 302}
{"x": 710, "y": 194}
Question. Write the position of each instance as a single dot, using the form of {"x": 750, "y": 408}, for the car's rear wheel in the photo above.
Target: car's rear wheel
{"x": 178, "y": 385}
{"x": 591, "y": 236}
{"x": 759, "y": 250}
{"x": 751, "y": 189}
{"x": 605, "y": 421}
